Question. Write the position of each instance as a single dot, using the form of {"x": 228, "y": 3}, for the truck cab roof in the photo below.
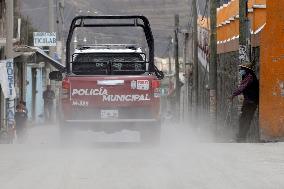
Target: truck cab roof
{"x": 108, "y": 48}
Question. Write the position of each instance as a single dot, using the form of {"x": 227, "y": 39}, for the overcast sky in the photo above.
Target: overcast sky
{"x": 160, "y": 12}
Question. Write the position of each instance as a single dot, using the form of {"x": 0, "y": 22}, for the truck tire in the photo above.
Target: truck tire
{"x": 151, "y": 134}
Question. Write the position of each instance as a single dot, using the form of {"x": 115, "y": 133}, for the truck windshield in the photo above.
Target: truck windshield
{"x": 108, "y": 63}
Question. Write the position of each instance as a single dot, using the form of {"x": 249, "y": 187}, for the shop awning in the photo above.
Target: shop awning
{"x": 37, "y": 55}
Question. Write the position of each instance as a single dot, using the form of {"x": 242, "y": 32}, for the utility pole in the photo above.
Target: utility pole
{"x": 51, "y": 23}
{"x": 185, "y": 50}
{"x": 170, "y": 62}
{"x": 52, "y": 50}
{"x": 243, "y": 46}
{"x": 213, "y": 64}
{"x": 195, "y": 58}
{"x": 9, "y": 28}
{"x": 185, "y": 92}
{"x": 170, "y": 54}
{"x": 62, "y": 8}
{"x": 8, "y": 104}
{"x": 176, "y": 54}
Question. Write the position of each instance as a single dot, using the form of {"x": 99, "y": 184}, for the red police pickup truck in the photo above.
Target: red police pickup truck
{"x": 111, "y": 87}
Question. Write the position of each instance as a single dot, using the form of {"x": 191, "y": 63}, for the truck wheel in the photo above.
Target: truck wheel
{"x": 151, "y": 134}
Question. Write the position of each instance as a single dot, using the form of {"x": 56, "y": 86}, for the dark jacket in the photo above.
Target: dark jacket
{"x": 249, "y": 87}
{"x": 20, "y": 119}
{"x": 48, "y": 97}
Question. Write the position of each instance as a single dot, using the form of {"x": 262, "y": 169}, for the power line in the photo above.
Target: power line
{"x": 57, "y": 20}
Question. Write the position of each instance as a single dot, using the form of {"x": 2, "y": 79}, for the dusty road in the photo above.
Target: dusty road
{"x": 179, "y": 163}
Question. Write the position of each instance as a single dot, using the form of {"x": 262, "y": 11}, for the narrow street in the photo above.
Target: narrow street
{"x": 132, "y": 94}
{"x": 179, "y": 162}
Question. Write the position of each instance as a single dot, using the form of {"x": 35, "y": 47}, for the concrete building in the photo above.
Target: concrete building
{"x": 18, "y": 68}
{"x": 267, "y": 54}
{"x": 29, "y": 73}
{"x": 32, "y": 72}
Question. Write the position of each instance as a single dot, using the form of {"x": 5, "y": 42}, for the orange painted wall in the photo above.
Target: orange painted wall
{"x": 259, "y": 2}
{"x": 231, "y": 10}
{"x": 272, "y": 72}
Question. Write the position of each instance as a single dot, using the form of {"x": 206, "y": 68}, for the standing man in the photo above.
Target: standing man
{"x": 249, "y": 87}
{"x": 48, "y": 97}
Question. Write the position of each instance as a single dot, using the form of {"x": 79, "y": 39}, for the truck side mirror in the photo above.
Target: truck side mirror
{"x": 55, "y": 75}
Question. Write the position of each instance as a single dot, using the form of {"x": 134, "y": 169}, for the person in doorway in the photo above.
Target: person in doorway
{"x": 20, "y": 120}
{"x": 249, "y": 87}
{"x": 48, "y": 97}
{"x": 24, "y": 104}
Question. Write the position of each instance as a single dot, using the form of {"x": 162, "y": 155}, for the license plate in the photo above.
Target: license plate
{"x": 109, "y": 114}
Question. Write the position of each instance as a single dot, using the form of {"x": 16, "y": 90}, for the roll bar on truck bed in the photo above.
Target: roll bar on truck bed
{"x": 138, "y": 21}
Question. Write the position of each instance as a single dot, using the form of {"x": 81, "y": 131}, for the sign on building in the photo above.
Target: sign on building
{"x": 8, "y": 88}
{"x": 44, "y": 39}
{"x": 7, "y": 78}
